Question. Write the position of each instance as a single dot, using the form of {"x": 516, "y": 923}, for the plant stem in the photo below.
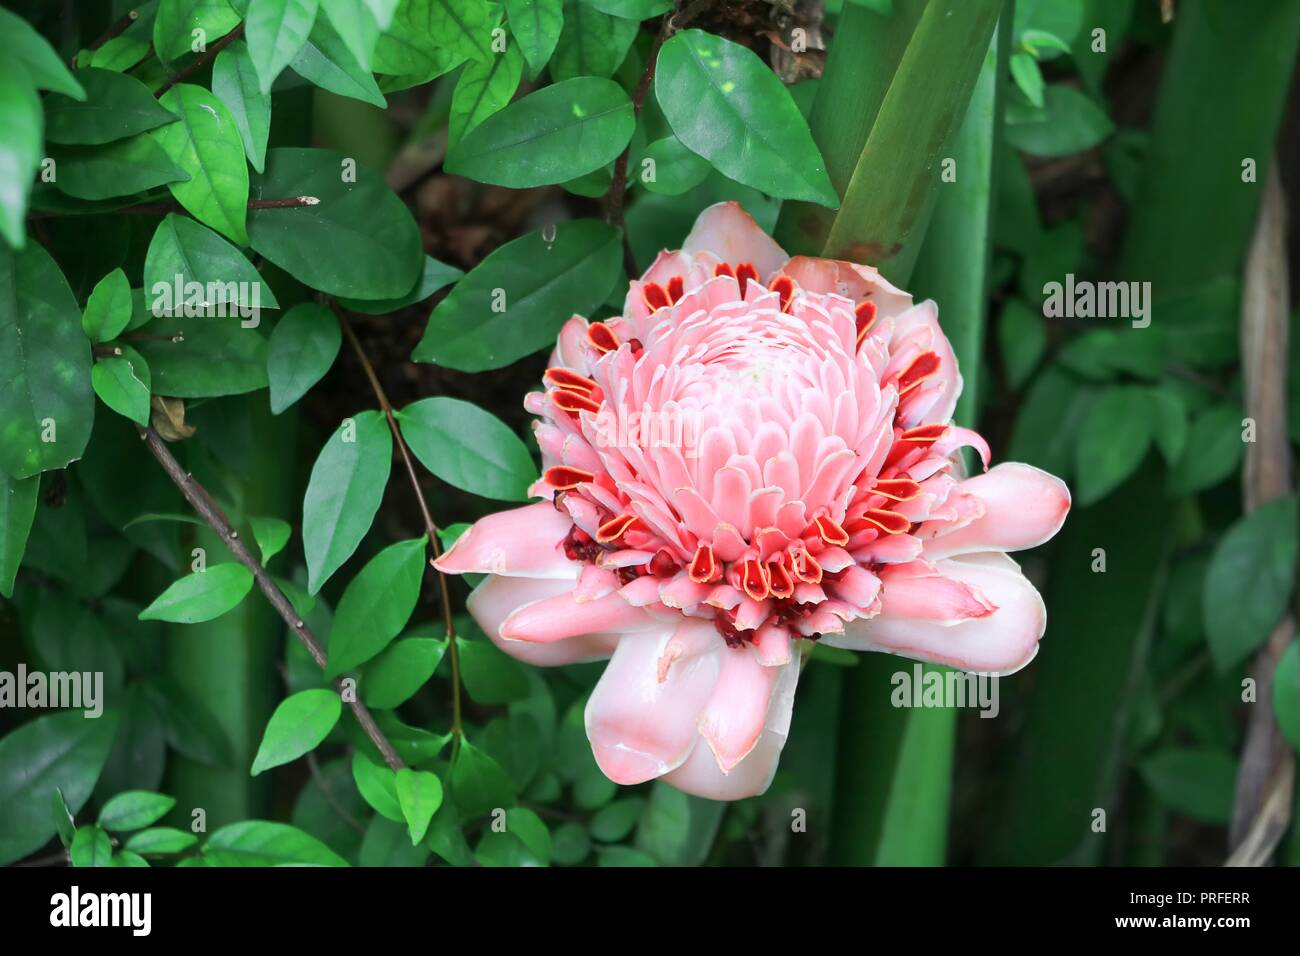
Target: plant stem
{"x": 198, "y": 62}
{"x": 430, "y": 528}
{"x": 162, "y": 208}
{"x": 211, "y": 513}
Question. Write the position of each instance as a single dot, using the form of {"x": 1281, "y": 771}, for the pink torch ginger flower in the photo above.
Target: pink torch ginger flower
{"x": 791, "y": 475}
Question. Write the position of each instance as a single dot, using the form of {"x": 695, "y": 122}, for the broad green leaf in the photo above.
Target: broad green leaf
{"x": 408, "y": 49}
{"x": 297, "y": 727}
{"x": 571, "y": 844}
{"x": 419, "y": 794}
{"x": 271, "y": 534}
{"x": 276, "y": 31}
{"x": 1022, "y": 337}
{"x": 592, "y": 43}
{"x": 20, "y": 148}
{"x": 1249, "y": 581}
{"x": 670, "y": 169}
{"x": 1212, "y": 451}
{"x": 616, "y": 820}
{"x": 61, "y": 752}
{"x": 65, "y": 635}
{"x": 1169, "y": 423}
{"x": 115, "y": 106}
{"x": 134, "y": 810}
{"x": 204, "y": 357}
{"x": 263, "y": 843}
{"x": 356, "y": 24}
{"x": 90, "y": 847}
{"x": 435, "y": 276}
{"x": 120, "y": 53}
{"x": 1028, "y": 77}
{"x": 358, "y": 240}
{"x": 161, "y": 840}
{"x": 327, "y": 61}
{"x": 201, "y": 595}
{"x": 189, "y": 265}
{"x": 1112, "y": 441}
{"x": 1070, "y": 123}
{"x": 108, "y": 309}
{"x": 1060, "y": 20}
{"x": 484, "y": 87}
{"x": 64, "y": 819}
{"x": 17, "y": 508}
{"x": 122, "y": 382}
{"x": 377, "y": 786}
{"x": 632, "y": 9}
{"x": 677, "y": 829}
{"x": 22, "y": 46}
{"x": 623, "y": 856}
{"x": 175, "y": 24}
{"x": 462, "y": 27}
{"x": 303, "y": 346}
{"x": 468, "y": 447}
{"x": 536, "y": 26}
{"x": 491, "y": 676}
{"x": 123, "y": 168}
{"x": 478, "y": 784}
{"x": 1195, "y": 782}
{"x": 726, "y": 105}
{"x": 549, "y": 136}
{"x": 46, "y": 402}
{"x": 347, "y": 483}
{"x": 1286, "y": 694}
{"x": 515, "y": 301}
{"x": 234, "y": 81}
{"x": 376, "y": 605}
{"x": 207, "y": 145}
{"x": 402, "y": 668}
{"x": 528, "y": 827}
{"x": 188, "y": 724}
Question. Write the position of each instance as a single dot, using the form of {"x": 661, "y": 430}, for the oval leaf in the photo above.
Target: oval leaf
{"x": 298, "y": 725}
{"x": 468, "y": 447}
{"x": 201, "y": 596}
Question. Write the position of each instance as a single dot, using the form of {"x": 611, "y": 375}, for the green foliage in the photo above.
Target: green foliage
{"x": 298, "y": 725}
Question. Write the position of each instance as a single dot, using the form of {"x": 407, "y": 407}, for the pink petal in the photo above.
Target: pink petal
{"x": 523, "y": 542}
{"x": 497, "y": 598}
{"x": 731, "y": 234}
{"x": 564, "y": 616}
{"x": 930, "y": 596}
{"x": 734, "y": 717}
{"x": 1023, "y": 507}
{"x": 640, "y": 726}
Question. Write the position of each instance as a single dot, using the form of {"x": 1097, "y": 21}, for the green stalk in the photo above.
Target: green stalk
{"x": 895, "y": 781}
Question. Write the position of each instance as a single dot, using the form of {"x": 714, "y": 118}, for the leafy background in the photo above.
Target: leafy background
{"x": 457, "y": 147}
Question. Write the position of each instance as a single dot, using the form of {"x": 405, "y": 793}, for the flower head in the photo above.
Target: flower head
{"x": 757, "y": 453}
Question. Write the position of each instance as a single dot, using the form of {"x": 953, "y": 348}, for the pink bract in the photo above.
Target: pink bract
{"x": 757, "y": 453}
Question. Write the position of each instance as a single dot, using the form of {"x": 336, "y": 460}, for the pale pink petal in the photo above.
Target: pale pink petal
{"x": 497, "y": 598}
{"x": 731, "y": 234}
{"x": 1023, "y": 507}
{"x": 564, "y": 616}
{"x": 523, "y": 542}
{"x": 853, "y": 281}
{"x": 736, "y": 711}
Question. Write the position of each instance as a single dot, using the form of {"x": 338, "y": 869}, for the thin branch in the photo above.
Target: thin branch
{"x": 430, "y": 528}
{"x": 216, "y": 519}
{"x": 162, "y": 208}
{"x": 116, "y": 30}
{"x": 198, "y": 62}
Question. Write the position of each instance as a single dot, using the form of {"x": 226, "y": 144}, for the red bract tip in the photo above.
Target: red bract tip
{"x": 567, "y": 378}
{"x": 566, "y": 477}
{"x": 704, "y": 566}
{"x": 724, "y": 269}
{"x": 655, "y": 296}
{"x": 574, "y": 402}
{"x": 784, "y": 287}
{"x": 744, "y": 272}
{"x": 806, "y": 568}
{"x": 602, "y": 337}
{"x": 865, "y": 313}
{"x": 887, "y": 521}
{"x": 830, "y": 531}
{"x": 782, "y": 581}
{"x": 676, "y": 288}
{"x": 754, "y": 579}
{"x": 614, "y": 528}
{"x": 899, "y": 489}
{"x": 921, "y": 368}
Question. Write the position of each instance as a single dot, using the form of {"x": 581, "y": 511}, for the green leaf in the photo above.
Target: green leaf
{"x": 207, "y": 145}
{"x": 515, "y": 301}
{"x": 632, "y": 9}
{"x": 297, "y": 727}
{"x": 134, "y": 810}
{"x": 463, "y": 27}
{"x": 1212, "y": 451}
{"x": 1069, "y": 123}
{"x": 408, "y": 48}
{"x": 491, "y": 676}
{"x": 1028, "y": 77}
{"x": 528, "y": 827}
{"x": 549, "y": 136}
{"x": 1249, "y": 581}
{"x": 419, "y": 793}
{"x": 62, "y": 752}
{"x": 399, "y": 670}
{"x": 478, "y": 784}
{"x": 484, "y": 88}
{"x": 108, "y": 309}
{"x": 1059, "y": 20}
{"x": 676, "y": 828}
{"x": 123, "y": 168}
{"x": 359, "y": 240}
{"x": 1286, "y": 694}
{"x": 571, "y": 844}
{"x": 161, "y": 840}
{"x": 46, "y": 402}
{"x": 376, "y": 605}
{"x": 183, "y": 252}
{"x": 592, "y": 43}
{"x": 1169, "y": 423}
{"x": 262, "y": 843}
{"x": 120, "y": 53}
{"x": 115, "y": 106}
{"x": 1194, "y": 781}
{"x": 675, "y": 168}
{"x": 468, "y": 448}
{"x": 271, "y": 535}
{"x": 536, "y": 26}
{"x": 122, "y": 382}
{"x": 276, "y": 31}
{"x": 435, "y": 276}
{"x": 176, "y": 21}
{"x": 17, "y": 508}
{"x": 615, "y": 821}
{"x": 347, "y": 483}
{"x": 20, "y": 148}
{"x": 356, "y": 25}
{"x": 378, "y": 787}
{"x": 90, "y": 847}
{"x": 326, "y": 60}
{"x": 204, "y": 357}
{"x": 234, "y": 81}
{"x": 726, "y": 105}
{"x": 1022, "y": 335}
{"x": 202, "y": 595}
{"x": 1112, "y": 441}
{"x": 22, "y": 46}
{"x": 303, "y": 346}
